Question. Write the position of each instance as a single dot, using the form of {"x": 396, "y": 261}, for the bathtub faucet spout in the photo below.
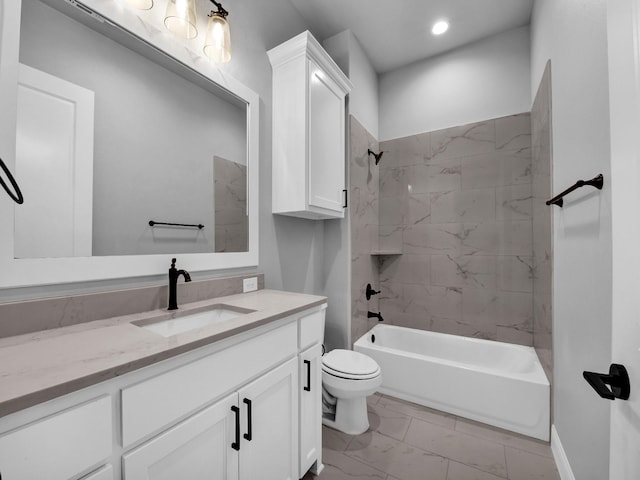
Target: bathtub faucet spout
{"x": 375, "y": 315}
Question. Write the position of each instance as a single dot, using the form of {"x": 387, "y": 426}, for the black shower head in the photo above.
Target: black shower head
{"x": 377, "y": 156}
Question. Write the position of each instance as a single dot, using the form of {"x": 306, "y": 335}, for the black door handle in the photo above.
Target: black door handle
{"x": 248, "y": 435}
{"x": 617, "y": 378}
{"x": 236, "y": 445}
{"x": 308, "y": 387}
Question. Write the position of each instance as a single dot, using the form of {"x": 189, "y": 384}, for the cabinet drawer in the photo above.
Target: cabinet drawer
{"x": 311, "y": 327}
{"x": 149, "y": 406}
{"x": 60, "y": 446}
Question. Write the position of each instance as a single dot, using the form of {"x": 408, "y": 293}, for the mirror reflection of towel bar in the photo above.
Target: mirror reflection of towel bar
{"x": 199, "y": 226}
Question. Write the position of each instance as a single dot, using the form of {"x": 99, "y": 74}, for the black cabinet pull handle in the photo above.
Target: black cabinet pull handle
{"x": 617, "y": 378}
{"x": 248, "y": 435}
{"x": 235, "y": 445}
{"x": 345, "y": 199}
{"x": 308, "y": 387}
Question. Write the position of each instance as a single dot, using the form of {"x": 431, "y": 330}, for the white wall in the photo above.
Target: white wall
{"x": 572, "y": 33}
{"x": 488, "y": 79}
{"x": 346, "y": 51}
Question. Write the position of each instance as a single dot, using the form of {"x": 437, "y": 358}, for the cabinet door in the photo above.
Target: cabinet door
{"x": 326, "y": 142}
{"x": 60, "y": 446}
{"x": 310, "y": 394}
{"x": 199, "y": 448}
{"x": 269, "y": 421}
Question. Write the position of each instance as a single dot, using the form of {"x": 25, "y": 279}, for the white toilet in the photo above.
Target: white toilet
{"x": 350, "y": 377}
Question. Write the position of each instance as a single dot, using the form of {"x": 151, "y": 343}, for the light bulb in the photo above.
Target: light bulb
{"x": 181, "y": 18}
{"x": 217, "y": 44}
{"x": 440, "y": 27}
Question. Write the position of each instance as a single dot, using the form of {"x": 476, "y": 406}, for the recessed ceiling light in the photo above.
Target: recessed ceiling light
{"x": 440, "y": 27}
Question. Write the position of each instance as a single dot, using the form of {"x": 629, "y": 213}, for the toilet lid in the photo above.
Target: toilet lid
{"x": 349, "y": 363}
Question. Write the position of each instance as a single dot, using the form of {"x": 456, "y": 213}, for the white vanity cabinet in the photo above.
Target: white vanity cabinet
{"x": 231, "y": 410}
{"x": 199, "y": 447}
{"x": 310, "y": 337}
{"x": 309, "y": 127}
{"x": 60, "y": 445}
{"x": 243, "y": 436}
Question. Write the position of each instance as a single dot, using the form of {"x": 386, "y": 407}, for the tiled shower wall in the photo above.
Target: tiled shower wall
{"x": 542, "y": 221}
{"x": 456, "y": 204}
{"x": 363, "y": 211}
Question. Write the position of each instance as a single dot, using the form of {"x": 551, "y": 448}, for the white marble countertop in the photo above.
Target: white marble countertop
{"x": 40, "y": 366}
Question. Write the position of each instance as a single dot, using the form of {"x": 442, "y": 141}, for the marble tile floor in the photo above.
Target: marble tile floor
{"x": 406, "y": 441}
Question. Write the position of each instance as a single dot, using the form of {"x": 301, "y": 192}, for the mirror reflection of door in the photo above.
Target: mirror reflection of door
{"x": 54, "y": 157}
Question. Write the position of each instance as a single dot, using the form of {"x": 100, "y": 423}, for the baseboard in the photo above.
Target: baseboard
{"x": 562, "y": 462}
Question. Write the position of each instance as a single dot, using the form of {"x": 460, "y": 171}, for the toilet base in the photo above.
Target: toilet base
{"x": 351, "y": 416}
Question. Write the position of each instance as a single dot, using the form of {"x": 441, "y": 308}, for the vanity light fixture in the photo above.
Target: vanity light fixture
{"x": 139, "y": 4}
{"x": 440, "y": 27}
{"x": 180, "y": 18}
{"x": 217, "y": 43}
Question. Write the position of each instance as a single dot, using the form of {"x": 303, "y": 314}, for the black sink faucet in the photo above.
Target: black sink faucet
{"x": 173, "y": 283}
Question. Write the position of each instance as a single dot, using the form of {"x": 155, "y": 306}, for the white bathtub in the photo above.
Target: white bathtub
{"x": 496, "y": 383}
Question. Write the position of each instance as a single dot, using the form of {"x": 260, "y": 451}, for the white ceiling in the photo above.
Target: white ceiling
{"x": 395, "y": 33}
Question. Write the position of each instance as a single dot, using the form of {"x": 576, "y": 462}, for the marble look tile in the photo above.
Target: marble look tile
{"x": 334, "y": 439}
{"x": 418, "y": 209}
{"x": 523, "y": 465}
{"x": 462, "y": 327}
{"x": 391, "y": 298}
{"x": 426, "y": 301}
{"x": 393, "y": 181}
{"x": 515, "y": 273}
{"x": 418, "y": 411}
{"x": 462, "y": 141}
{"x": 433, "y": 239}
{"x": 500, "y": 309}
{"x": 496, "y": 238}
{"x": 396, "y": 458}
{"x": 513, "y": 203}
{"x": 391, "y": 237}
{"x": 514, "y": 335}
{"x": 496, "y": 169}
{"x": 411, "y": 150}
{"x": 388, "y": 422}
{"x": 464, "y": 271}
{"x": 373, "y": 399}
{"x": 459, "y": 471}
{"x": 503, "y": 437}
{"x": 460, "y": 447}
{"x": 338, "y": 466}
{"x": 434, "y": 178}
{"x": 513, "y": 132}
{"x": 408, "y": 267}
{"x": 465, "y": 206}
{"x": 394, "y": 211}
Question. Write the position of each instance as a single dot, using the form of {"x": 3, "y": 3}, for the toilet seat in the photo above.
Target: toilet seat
{"x": 349, "y": 365}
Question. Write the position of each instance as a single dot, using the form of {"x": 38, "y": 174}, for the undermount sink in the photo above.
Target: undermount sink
{"x": 172, "y": 326}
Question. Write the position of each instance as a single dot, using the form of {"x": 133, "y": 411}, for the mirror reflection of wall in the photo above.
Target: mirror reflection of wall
{"x": 230, "y": 198}
{"x": 155, "y": 137}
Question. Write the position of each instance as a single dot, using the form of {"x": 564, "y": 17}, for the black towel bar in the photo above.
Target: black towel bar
{"x": 597, "y": 181}
{"x": 199, "y": 226}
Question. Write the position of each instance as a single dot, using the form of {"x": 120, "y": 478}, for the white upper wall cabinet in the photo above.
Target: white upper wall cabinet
{"x": 309, "y": 127}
